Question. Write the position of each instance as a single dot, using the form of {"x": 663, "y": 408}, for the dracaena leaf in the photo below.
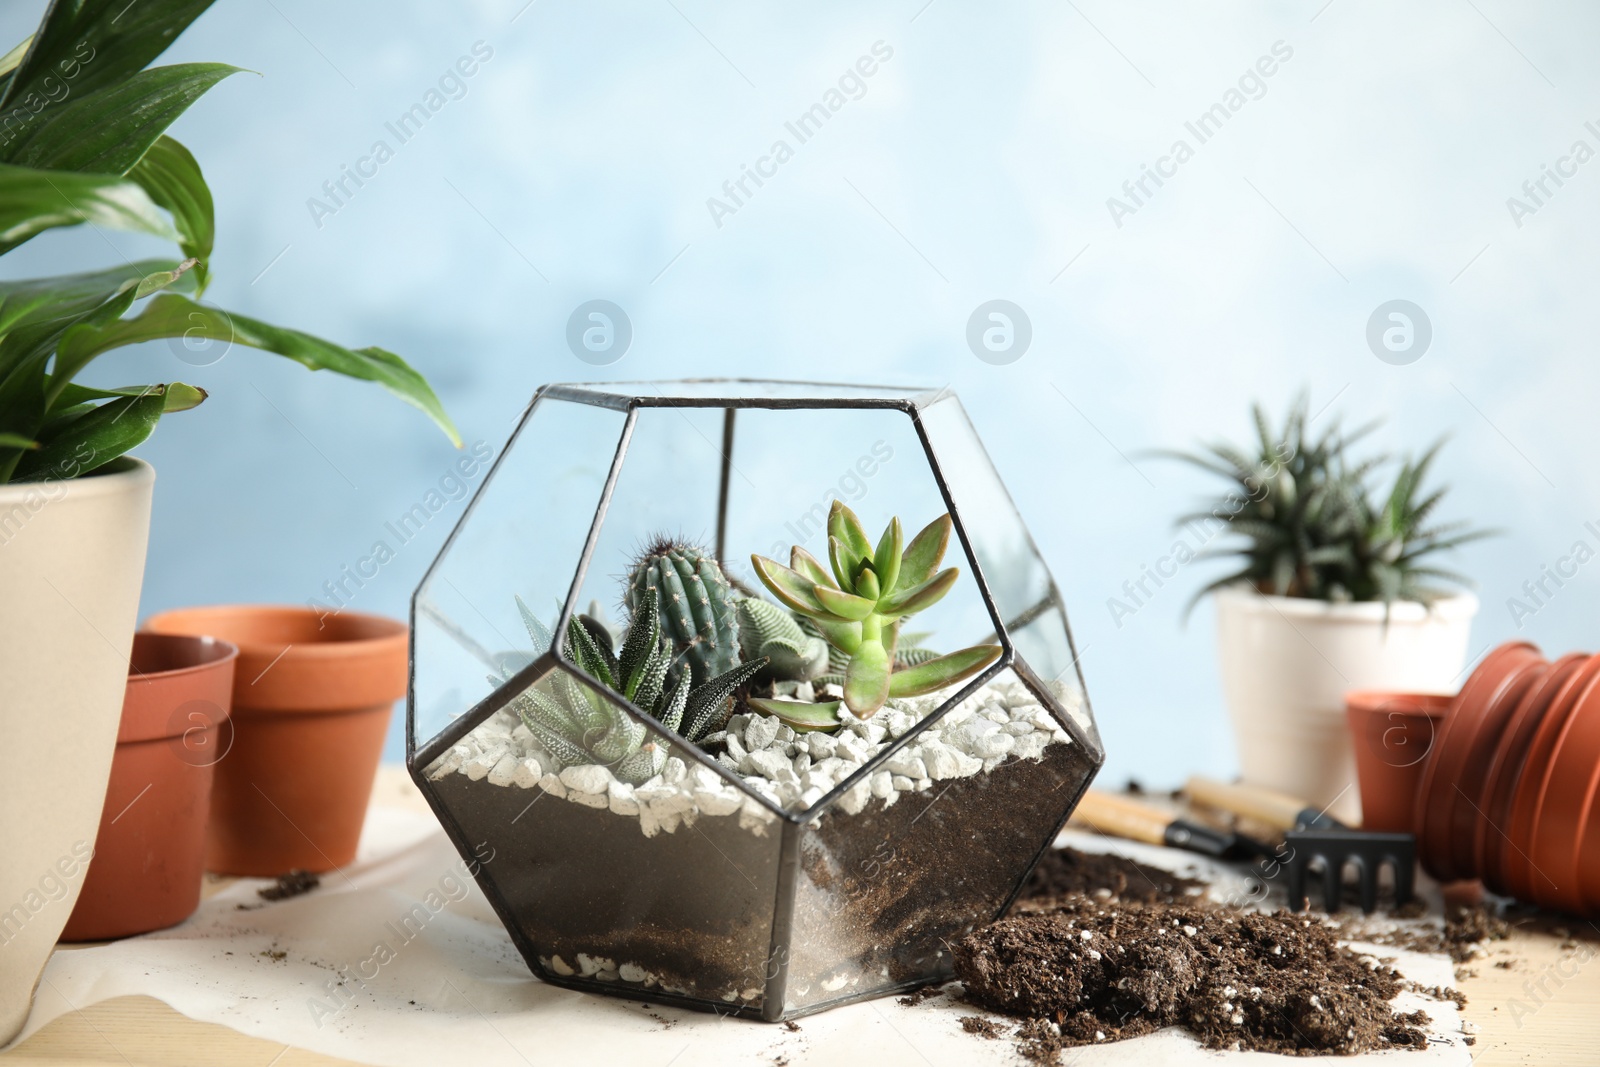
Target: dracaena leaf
{"x": 33, "y": 201}
{"x": 106, "y": 132}
{"x": 177, "y": 396}
{"x": 172, "y": 178}
{"x": 171, "y": 315}
{"x": 86, "y": 44}
{"x": 93, "y": 439}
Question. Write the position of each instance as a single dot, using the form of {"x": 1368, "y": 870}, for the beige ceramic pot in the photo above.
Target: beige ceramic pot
{"x": 71, "y": 562}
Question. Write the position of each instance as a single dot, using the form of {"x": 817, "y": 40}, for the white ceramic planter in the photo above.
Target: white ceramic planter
{"x": 71, "y": 563}
{"x": 1287, "y": 663}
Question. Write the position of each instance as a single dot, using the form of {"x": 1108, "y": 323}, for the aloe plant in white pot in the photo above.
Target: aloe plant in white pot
{"x": 1337, "y": 591}
{"x": 82, "y": 140}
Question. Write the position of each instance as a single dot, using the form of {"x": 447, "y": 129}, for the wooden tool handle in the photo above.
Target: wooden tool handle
{"x": 1127, "y": 819}
{"x": 1251, "y": 801}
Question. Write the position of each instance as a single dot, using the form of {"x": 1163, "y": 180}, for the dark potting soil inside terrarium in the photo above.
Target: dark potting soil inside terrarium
{"x": 878, "y": 894}
{"x": 588, "y": 895}
{"x": 883, "y": 893}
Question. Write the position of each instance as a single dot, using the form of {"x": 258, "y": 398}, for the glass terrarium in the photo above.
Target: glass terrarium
{"x": 749, "y": 696}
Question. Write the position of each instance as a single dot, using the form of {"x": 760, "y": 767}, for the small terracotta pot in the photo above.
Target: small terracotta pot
{"x": 148, "y": 855}
{"x": 1393, "y": 734}
{"x": 311, "y": 703}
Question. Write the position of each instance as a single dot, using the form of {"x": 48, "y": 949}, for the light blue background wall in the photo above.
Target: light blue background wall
{"x": 977, "y": 165}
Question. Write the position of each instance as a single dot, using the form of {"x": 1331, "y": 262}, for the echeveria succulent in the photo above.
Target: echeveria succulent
{"x": 858, "y": 606}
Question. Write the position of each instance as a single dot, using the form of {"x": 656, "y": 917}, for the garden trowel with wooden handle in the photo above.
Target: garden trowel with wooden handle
{"x": 1315, "y": 836}
{"x": 1117, "y": 816}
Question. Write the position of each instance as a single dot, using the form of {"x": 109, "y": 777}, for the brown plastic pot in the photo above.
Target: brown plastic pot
{"x": 1500, "y": 783}
{"x": 1502, "y": 669}
{"x": 1564, "y": 804}
{"x": 311, "y": 703}
{"x": 1519, "y": 872}
{"x": 1392, "y": 734}
{"x": 148, "y": 855}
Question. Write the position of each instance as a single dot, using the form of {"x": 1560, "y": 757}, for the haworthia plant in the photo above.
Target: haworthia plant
{"x": 82, "y": 140}
{"x": 699, "y": 609}
{"x": 859, "y": 606}
{"x": 579, "y": 725}
{"x": 766, "y": 630}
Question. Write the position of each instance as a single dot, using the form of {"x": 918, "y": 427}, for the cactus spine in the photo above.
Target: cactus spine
{"x": 699, "y": 609}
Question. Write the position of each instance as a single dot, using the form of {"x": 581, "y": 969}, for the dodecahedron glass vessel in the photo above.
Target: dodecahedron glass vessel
{"x": 764, "y": 868}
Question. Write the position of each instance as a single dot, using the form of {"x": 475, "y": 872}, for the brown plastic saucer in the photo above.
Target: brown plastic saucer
{"x": 1518, "y": 870}
{"x": 1436, "y": 792}
{"x": 1500, "y": 781}
{"x": 1463, "y": 809}
{"x": 1558, "y": 824}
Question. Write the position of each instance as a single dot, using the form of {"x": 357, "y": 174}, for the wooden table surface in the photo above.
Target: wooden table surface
{"x": 1533, "y": 1001}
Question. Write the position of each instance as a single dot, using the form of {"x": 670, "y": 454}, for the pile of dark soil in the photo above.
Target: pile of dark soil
{"x": 1064, "y": 871}
{"x": 1093, "y": 970}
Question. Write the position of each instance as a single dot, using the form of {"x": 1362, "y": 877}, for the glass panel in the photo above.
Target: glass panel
{"x": 639, "y": 869}
{"x": 521, "y": 537}
{"x": 934, "y": 846}
{"x": 1023, "y": 591}
{"x": 787, "y": 467}
{"x": 749, "y": 389}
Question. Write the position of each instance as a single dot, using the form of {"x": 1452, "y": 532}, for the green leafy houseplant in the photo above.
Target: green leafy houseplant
{"x": 1311, "y": 524}
{"x": 859, "y": 607}
{"x": 82, "y": 140}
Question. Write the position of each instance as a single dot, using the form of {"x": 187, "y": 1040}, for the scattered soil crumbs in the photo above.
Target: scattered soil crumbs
{"x": 1092, "y": 970}
{"x": 289, "y": 885}
{"x": 1467, "y": 928}
{"x": 1066, "y": 870}
{"x": 974, "y": 1024}
{"x": 917, "y": 996}
{"x": 1462, "y": 936}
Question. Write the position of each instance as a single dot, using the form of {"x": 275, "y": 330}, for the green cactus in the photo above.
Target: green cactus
{"x": 860, "y": 606}
{"x": 699, "y": 608}
{"x": 578, "y": 725}
{"x": 767, "y": 630}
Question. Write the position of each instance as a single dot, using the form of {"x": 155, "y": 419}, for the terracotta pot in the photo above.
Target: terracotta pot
{"x": 148, "y": 855}
{"x": 71, "y": 562}
{"x": 312, "y": 696}
{"x": 1392, "y": 734}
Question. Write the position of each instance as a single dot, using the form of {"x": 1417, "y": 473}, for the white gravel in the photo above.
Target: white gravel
{"x": 1002, "y": 720}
